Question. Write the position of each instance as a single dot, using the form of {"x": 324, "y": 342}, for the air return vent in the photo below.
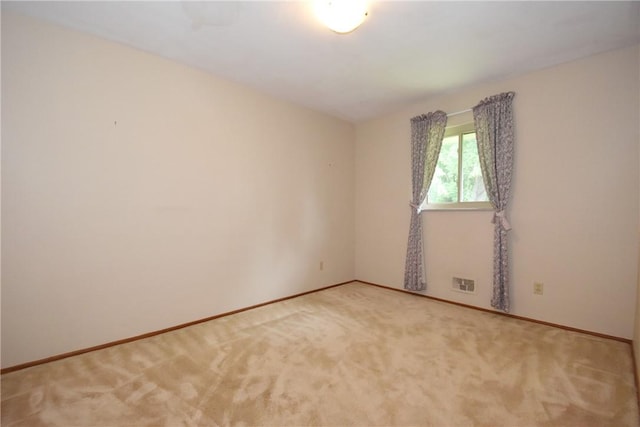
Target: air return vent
{"x": 467, "y": 286}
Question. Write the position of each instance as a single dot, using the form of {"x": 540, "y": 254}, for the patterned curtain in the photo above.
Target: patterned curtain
{"x": 427, "y": 131}
{"x": 493, "y": 118}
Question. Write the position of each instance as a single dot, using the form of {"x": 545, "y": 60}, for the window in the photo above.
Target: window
{"x": 457, "y": 182}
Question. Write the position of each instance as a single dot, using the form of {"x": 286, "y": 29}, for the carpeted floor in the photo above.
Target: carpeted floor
{"x": 351, "y": 355}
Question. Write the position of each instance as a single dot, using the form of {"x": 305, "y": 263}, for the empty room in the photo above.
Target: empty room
{"x": 249, "y": 213}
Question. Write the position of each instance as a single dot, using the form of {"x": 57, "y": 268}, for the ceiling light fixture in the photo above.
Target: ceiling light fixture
{"x": 342, "y": 16}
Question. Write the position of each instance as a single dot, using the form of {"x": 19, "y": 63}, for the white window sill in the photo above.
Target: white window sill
{"x": 469, "y": 206}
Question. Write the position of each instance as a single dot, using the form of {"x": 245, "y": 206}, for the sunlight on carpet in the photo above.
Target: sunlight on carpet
{"x": 350, "y": 355}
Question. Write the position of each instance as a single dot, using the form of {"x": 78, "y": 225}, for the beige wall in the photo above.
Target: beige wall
{"x": 574, "y": 210}
{"x": 0, "y": 198}
{"x": 139, "y": 193}
{"x": 636, "y": 335}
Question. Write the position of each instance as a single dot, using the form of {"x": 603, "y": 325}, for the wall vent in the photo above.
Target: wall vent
{"x": 467, "y": 286}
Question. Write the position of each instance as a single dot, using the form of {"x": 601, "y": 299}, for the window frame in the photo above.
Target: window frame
{"x": 457, "y": 206}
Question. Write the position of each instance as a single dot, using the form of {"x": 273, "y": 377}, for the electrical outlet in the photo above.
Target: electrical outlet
{"x": 321, "y": 265}
{"x": 538, "y": 288}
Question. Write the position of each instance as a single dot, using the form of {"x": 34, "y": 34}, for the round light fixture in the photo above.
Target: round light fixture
{"x": 342, "y": 16}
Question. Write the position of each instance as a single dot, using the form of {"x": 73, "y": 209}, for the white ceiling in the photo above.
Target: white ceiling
{"x": 404, "y": 51}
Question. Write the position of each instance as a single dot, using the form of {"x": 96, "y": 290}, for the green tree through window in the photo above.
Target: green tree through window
{"x": 458, "y": 177}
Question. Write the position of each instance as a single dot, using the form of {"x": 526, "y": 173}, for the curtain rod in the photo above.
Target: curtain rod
{"x": 459, "y": 112}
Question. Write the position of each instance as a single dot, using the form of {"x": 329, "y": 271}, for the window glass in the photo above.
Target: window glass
{"x": 444, "y": 187}
{"x": 472, "y": 183}
{"x": 457, "y": 181}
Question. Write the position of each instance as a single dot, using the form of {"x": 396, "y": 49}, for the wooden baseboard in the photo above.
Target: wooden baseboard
{"x": 154, "y": 333}
{"x": 195, "y": 322}
{"x": 513, "y": 316}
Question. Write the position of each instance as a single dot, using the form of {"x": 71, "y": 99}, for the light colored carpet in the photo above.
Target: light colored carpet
{"x": 350, "y": 355}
